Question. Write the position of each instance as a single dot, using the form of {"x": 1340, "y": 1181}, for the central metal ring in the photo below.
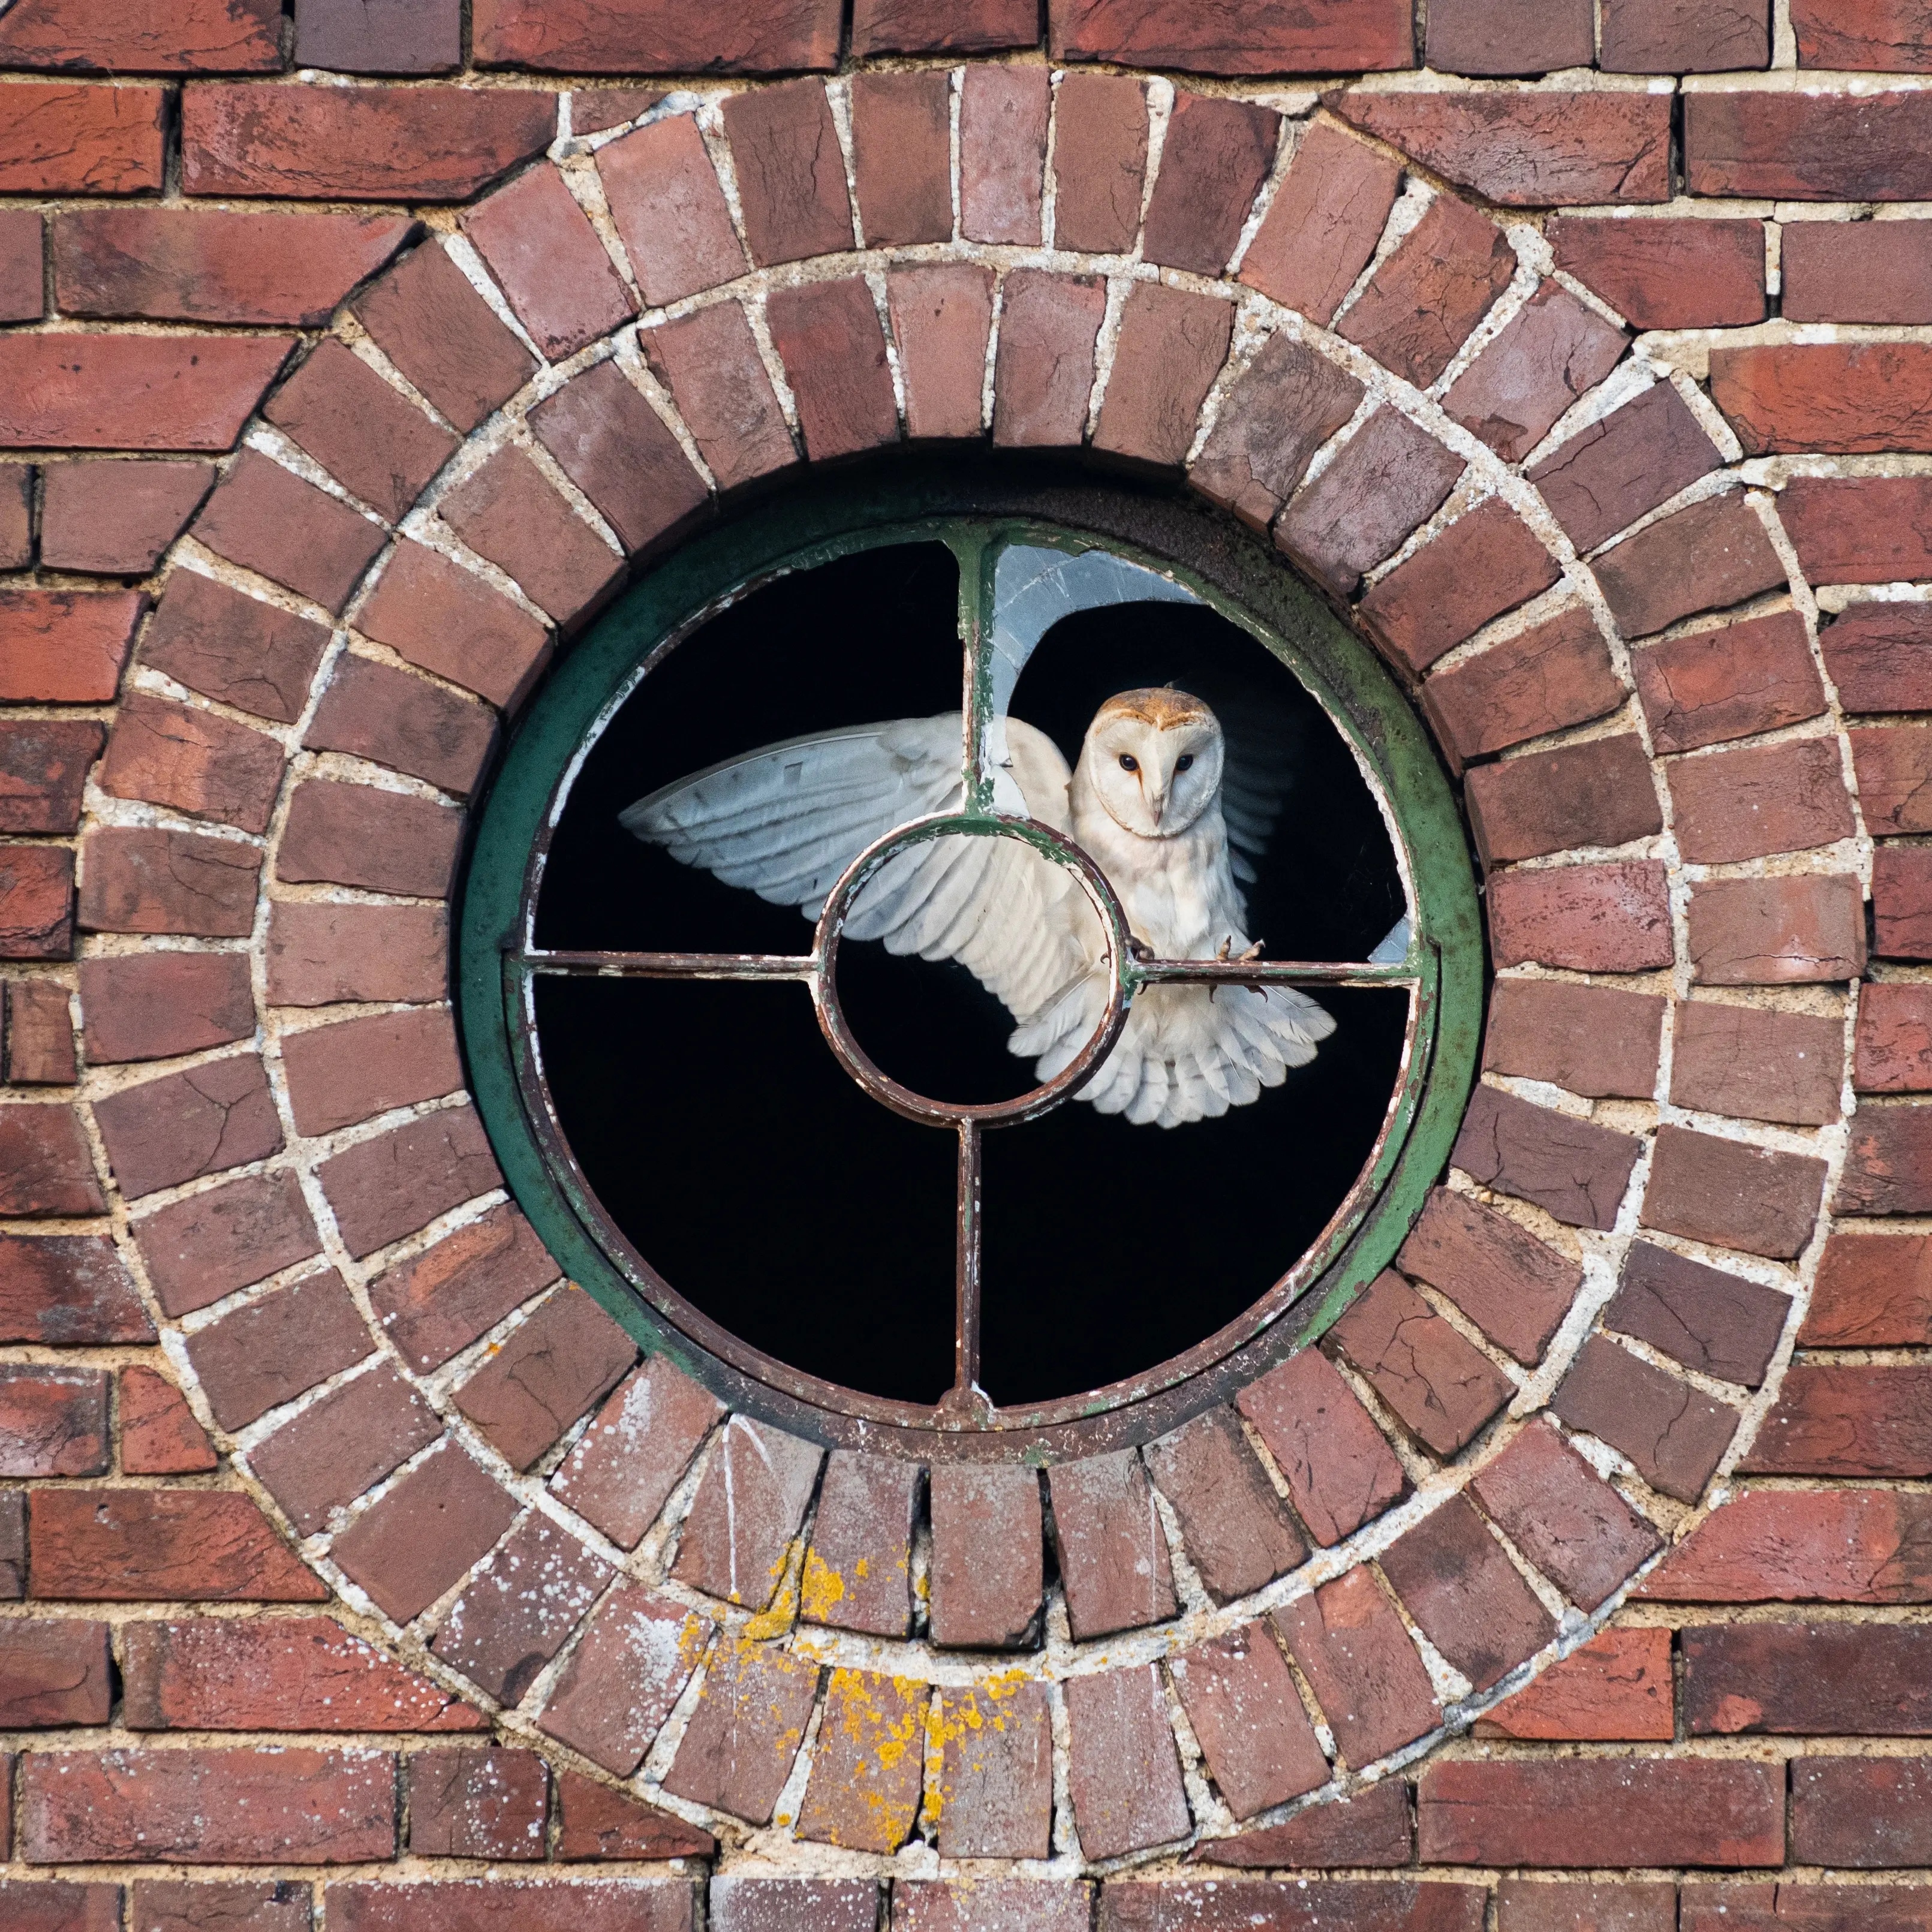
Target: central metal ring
{"x": 1052, "y": 845}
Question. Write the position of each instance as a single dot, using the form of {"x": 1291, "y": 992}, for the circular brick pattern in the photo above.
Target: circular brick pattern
{"x": 1392, "y": 1531}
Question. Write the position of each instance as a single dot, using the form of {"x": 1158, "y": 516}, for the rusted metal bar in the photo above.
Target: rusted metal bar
{"x": 1269, "y": 972}
{"x": 670, "y": 965}
{"x": 966, "y": 1300}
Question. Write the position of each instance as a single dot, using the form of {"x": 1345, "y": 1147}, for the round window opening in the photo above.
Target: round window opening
{"x": 971, "y": 963}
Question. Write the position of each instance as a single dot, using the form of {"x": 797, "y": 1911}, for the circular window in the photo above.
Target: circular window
{"x": 971, "y": 963}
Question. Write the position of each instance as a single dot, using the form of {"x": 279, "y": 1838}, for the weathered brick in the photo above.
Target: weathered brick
{"x": 276, "y": 1674}
{"x": 1237, "y": 1532}
{"x": 1791, "y": 931}
{"x": 1839, "y": 397}
{"x": 1764, "y": 798}
{"x": 1731, "y": 1194}
{"x": 1303, "y": 1905}
{"x": 1622, "y": 467}
{"x": 443, "y": 336}
{"x": 1602, "y": 1812}
{"x": 43, "y": 768}
{"x": 1806, "y": 147}
{"x": 53, "y": 1422}
{"x": 1002, "y": 114}
{"x": 159, "y": 1434}
{"x": 1802, "y": 1545}
{"x": 65, "y": 647}
{"x": 1895, "y": 1039}
{"x": 1833, "y": 1420}
{"x": 267, "y": 519}
{"x": 1427, "y": 295}
{"x": 1323, "y": 224}
{"x": 407, "y": 1549}
{"x": 628, "y": 37}
{"x": 1901, "y": 899}
{"x": 1556, "y": 674}
{"x": 1593, "y": 1040}
{"x": 1244, "y": 1711}
{"x": 372, "y": 711}
{"x": 16, "y": 482}
{"x": 1719, "y": 1324}
{"x": 1340, "y": 1472}
{"x": 472, "y": 1801}
{"x": 1617, "y": 1687}
{"x": 189, "y": 1905}
{"x": 39, "y": 1034}
{"x": 117, "y": 519}
{"x": 1043, "y": 373}
{"x": 791, "y": 174}
{"x": 383, "y": 1188}
{"x": 59, "y": 137}
{"x": 1861, "y": 1814}
{"x": 942, "y": 316}
{"x": 519, "y": 1608}
{"x": 545, "y": 1375}
{"x": 161, "y": 1546}
{"x": 1112, "y": 1550}
{"x": 13, "y": 1556}
{"x": 1865, "y": 529}
{"x": 863, "y": 1791}
{"x": 1673, "y": 1435}
{"x": 594, "y": 1821}
{"x": 1471, "y": 36}
{"x": 339, "y": 1075}
{"x": 1729, "y": 682}
{"x": 203, "y": 765}
{"x": 623, "y": 1678}
{"x": 1892, "y": 764}
{"x": 1217, "y": 155}
{"x": 1554, "y": 348}
{"x": 68, "y": 1291}
{"x": 1597, "y": 793}
{"x": 1286, "y": 405}
{"x": 514, "y": 1904}
{"x": 988, "y": 1556}
{"x": 739, "y": 1746}
{"x": 1871, "y": 271}
{"x": 183, "y": 1126}
{"x": 199, "y": 1249}
{"x": 1465, "y": 1594}
{"x": 177, "y": 37}
{"x": 1668, "y": 273}
{"x": 670, "y": 210}
{"x": 421, "y": 144}
{"x": 1873, "y": 1290}
{"x": 1757, "y": 1064}
{"x": 1362, "y": 1665}
{"x": 1510, "y": 1285}
{"x": 234, "y": 648}
{"x": 319, "y": 954}
{"x": 510, "y": 512}
{"x": 45, "y": 1167}
{"x": 902, "y": 156}
{"x": 1372, "y": 1829}
{"x": 1572, "y": 1169}
{"x": 1325, "y": 38}
{"x": 446, "y": 620}
{"x": 275, "y": 1349}
{"x": 1884, "y": 34}
{"x": 1521, "y": 149}
{"x": 434, "y": 1305}
{"x": 1486, "y": 563}
{"x": 22, "y": 297}
{"x": 1571, "y": 1523}
{"x": 1714, "y": 554}
{"x": 746, "y": 1903}
{"x": 995, "y": 1788}
{"x": 1124, "y": 1773}
{"x": 1099, "y": 163}
{"x": 922, "y": 27}
{"x": 547, "y": 259}
{"x": 53, "y": 1673}
{"x": 1171, "y": 347}
{"x": 1670, "y": 36}
{"x": 858, "y": 1570}
{"x": 620, "y": 1473}
{"x": 828, "y": 336}
{"x": 1887, "y": 1165}
{"x": 1807, "y": 1680}
{"x": 749, "y": 1507}
{"x": 355, "y": 835}
{"x": 710, "y": 362}
{"x": 1389, "y": 477}
{"x": 36, "y": 902}
{"x": 391, "y": 37}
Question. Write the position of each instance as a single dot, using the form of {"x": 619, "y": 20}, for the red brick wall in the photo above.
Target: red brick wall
{"x": 349, "y": 355}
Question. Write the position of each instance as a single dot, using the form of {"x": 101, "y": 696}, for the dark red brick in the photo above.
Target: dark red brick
{"x": 174, "y": 1905}
{"x": 339, "y": 1075}
{"x": 22, "y": 296}
{"x": 828, "y": 336}
{"x": 1892, "y": 763}
{"x": 297, "y": 143}
{"x": 55, "y": 1673}
{"x": 472, "y": 1801}
{"x": 509, "y": 512}
{"x": 995, "y": 1774}
{"x": 1112, "y": 1550}
{"x": 902, "y": 156}
{"x": 53, "y": 1422}
{"x": 397, "y": 36}
{"x": 1888, "y": 35}
{"x": 1615, "y": 1688}
{"x": 1237, "y": 1532}
{"x": 863, "y": 1791}
{"x": 1003, "y": 113}
{"x": 1861, "y": 1815}
{"x": 1719, "y": 1324}
{"x": 1555, "y": 674}
{"x": 1675, "y": 37}
{"x": 1806, "y": 147}
{"x": 1730, "y": 682}
{"x": 65, "y": 647}
{"x": 569, "y": 1355}
{"x": 1323, "y": 224}
{"x": 117, "y": 519}
{"x": 1773, "y": 798}
{"x": 435, "y": 1306}
{"x": 597, "y": 110}
{"x": 519, "y": 1609}
{"x": 1572, "y": 1169}
{"x": 16, "y": 487}
{"x": 1621, "y": 467}
{"x": 670, "y": 210}
{"x": 1510, "y": 1285}
{"x": 383, "y": 1188}
{"x": 1124, "y": 1773}
{"x": 923, "y": 27}
{"x": 1901, "y": 892}
{"x": 1873, "y": 1290}
{"x": 68, "y": 1291}
{"x": 371, "y": 711}
{"x": 1389, "y": 477}
{"x": 1425, "y": 297}
{"x": 1714, "y": 554}
{"x": 1591, "y": 1039}
{"x": 1527, "y": 150}
{"x": 1732, "y": 1195}
{"x": 547, "y": 259}
{"x": 1853, "y": 397}
{"x": 1807, "y": 1680}
{"x": 164, "y": 1131}
{"x": 858, "y": 1571}
{"x": 1756, "y": 1064}
{"x": 275, "y": 1349}
{"x": 1554, "y": 348}
{"x": 179, "y": 36}
{"x": 1286, "y": 405}
{"x": 267, "y": 519}
{"x": 1444, "y": 1390}
{"x": 743, "y": 1739}
{"x": 1571, "y": 1523}
{"x": 620, "y": 1475}
{"x": 1372, "y": 1829}
{"x": 630, "y": 36}
{"x": 57, "y": 137}
{"x": 1043, "y": 373}
{"x": 319, "y": 953}
{"x": 1362, "y": 1665}
{"x": 1601, "y": 1812}
{"x": 353, "y": 835}
{"x": 36, "y": 902}
{"x": 55, "y": 1906}
{"x": 161, "y": 1546}
{"x": 1834, "y": 1420}
{"x": 1669, "y": 273}
{"x": 1778, "y": 931}
{"x": 1330, "y": 37}
{"x": 406, "y": 1550}
{"x": 39, "y": 1048}
{"x": 1464, "y": 1594}
{"x": 624, "y": 1677}
{"x": 1471, "y": 36}
{"x": 594, "y": 1821}
{"x": 791, "y": 172}
{"x": 159, "y": 1434}
{"x": 1217, "y": 155}
{"x": 1895, "y": 1039}
{"x": 514, "y": 1905}
{"x": 1673, "y": 1436}
{"x": 233, "y": 648}
{"x": 1597, "y": 793}
{"x": 339, "y": 1447}
{"x": 207, "y": 1245}
{"x": 987, "y": 1560}
{"x": 737, "y": 1541}
{"x": 710, "y": 364}
{"x": 203, "y": 765}
{"x": 1865, "y": 530}
{"x": 1099, "y": 162}
{"x": 1171, "y": 347}
{"x": 446, "y": 620}
{"x": 442, "y": 335}
{"x": 1302, "y": 1906}
{"x": 1340, "y": 1472}
{"x": 941, "y": 318}
{"x": 276, "y": 1674}
{"x": 1871, "y": 271}
{"x": 43, "y": 768}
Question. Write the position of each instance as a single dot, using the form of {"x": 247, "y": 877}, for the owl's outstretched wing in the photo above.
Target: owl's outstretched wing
{"x": 785, "y": 822}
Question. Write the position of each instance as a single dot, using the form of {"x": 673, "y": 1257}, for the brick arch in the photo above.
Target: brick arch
{"x": 1447, "y": 437}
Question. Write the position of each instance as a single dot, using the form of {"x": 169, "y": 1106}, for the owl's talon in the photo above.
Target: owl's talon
{"x": 1140, "y": 948}
{"x": 1221, "y": 951}
{"x": 1253, "y": 952}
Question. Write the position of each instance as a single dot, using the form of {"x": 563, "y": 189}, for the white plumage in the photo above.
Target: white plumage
{"x": 1144, "y": 802}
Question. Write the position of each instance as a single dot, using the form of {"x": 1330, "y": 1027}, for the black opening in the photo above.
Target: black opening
{"x": 765, "y": 1186}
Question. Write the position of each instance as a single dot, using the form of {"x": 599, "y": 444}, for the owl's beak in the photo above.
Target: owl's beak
{"x": 1157, "y": 804}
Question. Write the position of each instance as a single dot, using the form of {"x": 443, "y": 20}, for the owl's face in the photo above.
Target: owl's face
{"x": 1154, "y": 758}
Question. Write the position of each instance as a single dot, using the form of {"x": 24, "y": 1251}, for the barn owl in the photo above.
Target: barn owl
{"x": 1144, "y": 801}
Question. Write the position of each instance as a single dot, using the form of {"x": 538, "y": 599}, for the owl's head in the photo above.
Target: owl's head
{"x": 1154, "y": 758}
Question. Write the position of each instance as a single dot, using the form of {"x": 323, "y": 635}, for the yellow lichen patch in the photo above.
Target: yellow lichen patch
{"x": 869, "y": 1764}
{"x": 824, "y": 1588}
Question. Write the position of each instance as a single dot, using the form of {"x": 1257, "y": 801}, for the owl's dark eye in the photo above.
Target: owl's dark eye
{"x": 1128, "y": 763}
{"x": 1185, "y": 763}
